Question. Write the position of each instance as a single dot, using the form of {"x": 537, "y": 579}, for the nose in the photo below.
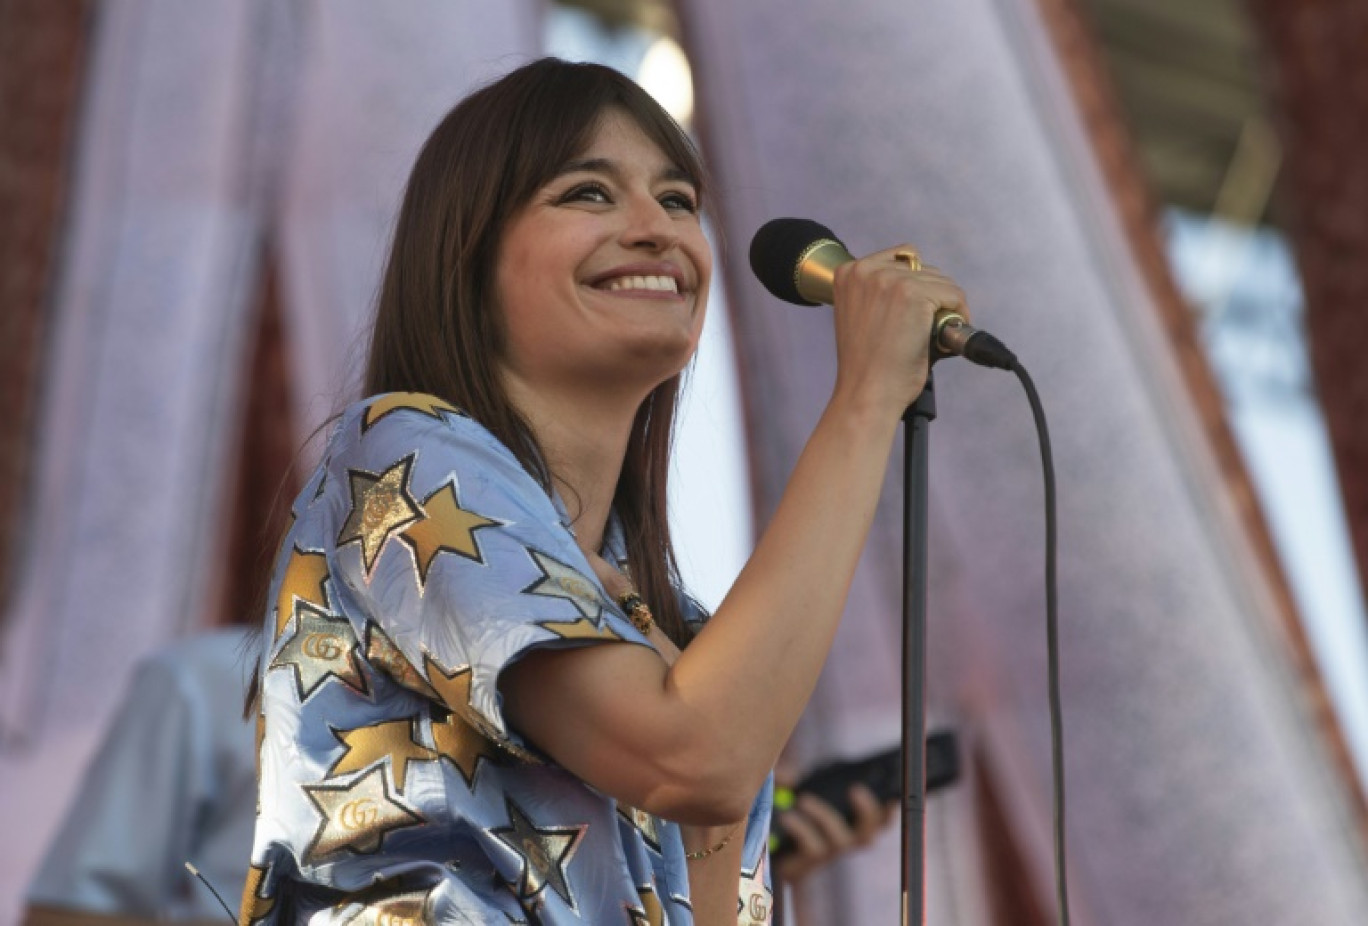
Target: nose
{"x": 649, "y": 225}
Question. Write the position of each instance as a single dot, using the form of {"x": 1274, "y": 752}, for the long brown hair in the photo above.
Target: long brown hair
{"x": 437, "y": 328}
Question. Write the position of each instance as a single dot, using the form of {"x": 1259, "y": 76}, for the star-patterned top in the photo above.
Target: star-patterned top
{"x": 421, "y": 562}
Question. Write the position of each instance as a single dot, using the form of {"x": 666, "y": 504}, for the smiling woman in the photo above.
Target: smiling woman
{"x": 603, "y": 276}
{"x": 438, "y": 329}
{"x": 484, "y": 696}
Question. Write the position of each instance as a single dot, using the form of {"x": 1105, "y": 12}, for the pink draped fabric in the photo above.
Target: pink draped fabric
{"x": 211, "y": 132}
{"x": 951, "y": 126}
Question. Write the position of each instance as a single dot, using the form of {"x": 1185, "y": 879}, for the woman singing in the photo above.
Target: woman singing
{"x": 484, "y": 698}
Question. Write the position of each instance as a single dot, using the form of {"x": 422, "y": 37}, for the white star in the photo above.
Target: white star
{"x": 561, "y": 581}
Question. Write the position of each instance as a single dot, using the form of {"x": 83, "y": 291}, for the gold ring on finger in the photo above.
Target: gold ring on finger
{"x": 910, "y": 258}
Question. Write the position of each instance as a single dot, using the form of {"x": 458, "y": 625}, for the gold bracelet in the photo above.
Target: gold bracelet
{"x": 704, "y": 853}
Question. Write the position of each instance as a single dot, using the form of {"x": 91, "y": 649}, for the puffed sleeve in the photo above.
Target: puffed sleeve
{"x": 450, "y": 559}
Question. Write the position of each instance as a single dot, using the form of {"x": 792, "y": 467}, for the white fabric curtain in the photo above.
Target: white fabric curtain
{"x": 210, "y": 131}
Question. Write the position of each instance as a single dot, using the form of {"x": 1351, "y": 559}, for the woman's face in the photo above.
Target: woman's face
{"x": 602, "y": 278}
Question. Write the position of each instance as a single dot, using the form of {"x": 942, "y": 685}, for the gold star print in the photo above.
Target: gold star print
{"x": 322, "y": 646}
{"x": 650, "y": 913}
{"x": 305, "y": 575}
{"x": 406, "y": 401}
{"x": 580, "y": 630}
{"x": 400, "y": 910}
{"x": 647, "y": 825}
{"x": 544, "y": 854}
{"x": 445, "y": 527}
{"x": 463, "y": 746}
{"x": 753, "y": 905}
{"x": 384, "y": 655}
{"x": 357, "y": 816}
{"x": 560, "y": 581}
{"x": 368, "y": 745}
{"x": 254, "y": 906}
{"x": 381, "y": 506}
{"x": 453, "y": 688}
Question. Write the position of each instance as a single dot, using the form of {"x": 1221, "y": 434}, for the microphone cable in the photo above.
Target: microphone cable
{"x": 1051, "y": 636}
{"x": 217, "y": 896}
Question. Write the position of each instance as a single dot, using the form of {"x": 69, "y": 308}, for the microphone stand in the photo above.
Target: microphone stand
{"x": 916, "y": 425}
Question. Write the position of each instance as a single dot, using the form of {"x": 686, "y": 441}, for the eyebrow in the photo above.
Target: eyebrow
{"x": 609, "y": 167}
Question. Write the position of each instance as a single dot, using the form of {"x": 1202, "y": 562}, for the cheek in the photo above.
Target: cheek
{"x": 534, "y": 270}
{"x": 705, "y": 271}
{"x": 518, "y": 291}
{"x": 523, "y": 332}
{"x": 511, "y": 280}
{"x": 536, "y": 330}
{"x": 700, "y": 252}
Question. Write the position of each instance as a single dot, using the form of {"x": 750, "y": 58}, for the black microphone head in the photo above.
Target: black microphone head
{"x": 776, "y": 249}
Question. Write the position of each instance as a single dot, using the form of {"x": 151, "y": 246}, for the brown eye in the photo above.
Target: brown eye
{"x": 679, "y": 202}
{"x": 587, "y": 193}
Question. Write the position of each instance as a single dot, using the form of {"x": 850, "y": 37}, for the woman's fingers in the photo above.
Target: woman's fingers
{"x": 885, "y": 313}
{"x": 870, "y": 815}
{"x": 932, "y": 279}
{"x": 827, "y": 820}
{"x": 820, "y": 833}
{"x": 809, "y": 848}
{"x": 884, "y": 273}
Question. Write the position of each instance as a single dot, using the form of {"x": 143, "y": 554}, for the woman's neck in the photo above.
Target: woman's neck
{"x": 584, "y": 440}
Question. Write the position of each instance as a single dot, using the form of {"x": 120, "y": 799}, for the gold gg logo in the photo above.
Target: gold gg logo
{"x": 759, "y": 908}
{"x": 577, "y": 586}
{"x": 394, "y": 919}
{"x": 323, "y": 646}
{"x": 358, "y": 814}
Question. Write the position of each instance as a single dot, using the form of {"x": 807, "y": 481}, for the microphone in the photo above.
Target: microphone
{"x": 796, "y": 260}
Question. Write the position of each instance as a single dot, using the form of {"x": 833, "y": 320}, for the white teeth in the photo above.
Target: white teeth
{"x": 661, "y": 283}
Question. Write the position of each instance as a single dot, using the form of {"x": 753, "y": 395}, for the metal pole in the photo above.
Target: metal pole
{"x": 916, "y": 425}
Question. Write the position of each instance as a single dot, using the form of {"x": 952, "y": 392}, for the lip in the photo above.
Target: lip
{"x": 647, "y": 269}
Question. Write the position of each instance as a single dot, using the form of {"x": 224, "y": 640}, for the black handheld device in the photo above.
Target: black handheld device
{"x": 881, "y": 772}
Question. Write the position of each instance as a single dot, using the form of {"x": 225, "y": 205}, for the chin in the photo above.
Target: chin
{"x": 651, "y": 363}
{"x": 673, "y": 355}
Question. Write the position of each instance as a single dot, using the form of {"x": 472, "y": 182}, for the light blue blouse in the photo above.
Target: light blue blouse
{"x": 423, "y": 560}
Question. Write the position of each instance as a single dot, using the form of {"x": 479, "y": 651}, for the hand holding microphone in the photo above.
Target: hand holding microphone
{"x": 803, "y": 262}
{"x": 919, "y": 311}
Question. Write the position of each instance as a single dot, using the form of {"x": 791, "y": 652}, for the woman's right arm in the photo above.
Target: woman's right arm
{"x": 694, "y": 741}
